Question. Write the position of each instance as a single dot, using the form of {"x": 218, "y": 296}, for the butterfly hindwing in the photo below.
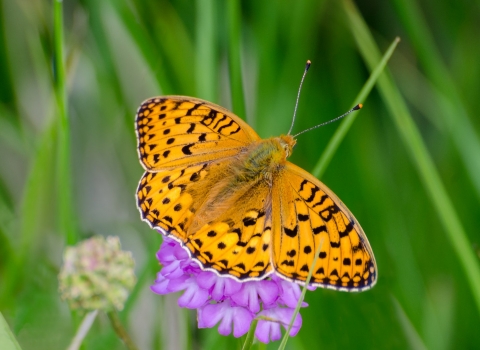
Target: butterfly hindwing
{"x": 228, "y": 239}
{"x": 306, "y": 212}
{"x": 163, "y": 199}
{"x": 237, "y": 243}
{"x": 175, "y": 131}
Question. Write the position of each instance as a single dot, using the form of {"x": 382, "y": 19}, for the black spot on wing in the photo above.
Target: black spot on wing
{"x": 191, "y": 128}
{"x": 291, "y": 232}
{"x": 186, "y": 149}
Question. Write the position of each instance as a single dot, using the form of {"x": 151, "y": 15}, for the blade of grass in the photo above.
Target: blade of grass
{"x": 302, "y": 297}
{"x": 7, "y": 339}
{"x": 64, "y": 186}
{"x": 7, "y": 92}
{"x": 234, "y": 13}
{"x": 106, "y": 65}
{"x": 418, "y": 152}
{"x": 458, "y": 123}
{"x": 33, "y": 211}
{"x": 250, "y": 336}
{"x": 206, "y": 63}
{"x": 411, "y": 334}
{"x": 145, "y": 44}
{"x": 347, "y": 122}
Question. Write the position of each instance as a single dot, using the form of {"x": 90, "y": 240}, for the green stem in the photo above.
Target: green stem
{"x": 63, "y": 163}
{"x": 83, "y": 330}
{"x": 120, "y": 330}
{"x": 302, "y": 297}
{"x": 250, "y": 336}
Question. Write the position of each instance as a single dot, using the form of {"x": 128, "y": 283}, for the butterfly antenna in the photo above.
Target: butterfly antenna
{"x": 298, "y": 95}
{"x": 356, "y": 108}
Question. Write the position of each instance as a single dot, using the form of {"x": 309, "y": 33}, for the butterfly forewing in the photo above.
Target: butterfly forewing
{"x": 306, "y": 212}
{"x": 175, "y": 131}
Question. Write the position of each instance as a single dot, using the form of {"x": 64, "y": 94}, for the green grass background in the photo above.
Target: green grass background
{"x": 409, "y": 167}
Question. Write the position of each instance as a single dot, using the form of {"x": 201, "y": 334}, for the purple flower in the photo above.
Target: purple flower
{"x": 268, "y": 327}
{"x": 253, "y": 292}
{"x": 225, "y": 301}
{"x": 228, "y": 314}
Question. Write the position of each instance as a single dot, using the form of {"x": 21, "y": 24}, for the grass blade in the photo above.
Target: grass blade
{"x": 411, "y": 334}
{"x": 250, "y": 336}
{"x": 7, "y": 339}
{"x": 347, "y": 122}
{"x": 420, "y": 156}
{"x": 206, "y": 63}
{"x": 64, "y": 187}
{"x": 302, "y": 297}
{"x": 234, "y": 58}
{"x": 453, "y": 112}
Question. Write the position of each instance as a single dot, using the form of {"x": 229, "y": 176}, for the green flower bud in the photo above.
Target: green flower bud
{"x": 97, "y": 274}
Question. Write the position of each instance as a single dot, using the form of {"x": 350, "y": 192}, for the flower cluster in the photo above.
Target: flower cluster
{"x": 221, "y": 299}
{"x": 97, "y": 274}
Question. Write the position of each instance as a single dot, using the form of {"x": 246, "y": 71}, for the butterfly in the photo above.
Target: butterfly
{"x": 237, "y": 205}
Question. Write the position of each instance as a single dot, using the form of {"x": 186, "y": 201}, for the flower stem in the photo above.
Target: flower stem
{"x": 83, "y": 330}
{"x": 120, "y": 330}
{"x": 250, "y": 336}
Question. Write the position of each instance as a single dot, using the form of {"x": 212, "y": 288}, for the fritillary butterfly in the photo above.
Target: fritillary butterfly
{"x": 237, "y": 205}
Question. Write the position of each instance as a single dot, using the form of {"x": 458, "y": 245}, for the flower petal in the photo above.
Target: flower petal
{"x": 238, "y": 317}
{"x": 270, "y": 330}
{"x": 219, "y": 287}
{"x": 289, "y": 292}
{"x": 209, "y": 315}
{"x": 193, "y": 297}
{"x": 241, "y": 321}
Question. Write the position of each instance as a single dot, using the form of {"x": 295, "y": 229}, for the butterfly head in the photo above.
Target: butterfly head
{"x": 287, "y": 142}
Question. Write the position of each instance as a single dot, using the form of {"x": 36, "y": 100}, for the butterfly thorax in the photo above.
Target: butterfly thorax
{"x": 264, "y": 157}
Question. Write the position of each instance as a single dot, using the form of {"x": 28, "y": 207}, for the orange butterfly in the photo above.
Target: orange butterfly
{"x": 237, "y": 205}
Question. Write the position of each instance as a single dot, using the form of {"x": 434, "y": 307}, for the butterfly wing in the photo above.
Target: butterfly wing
{"x": 175, "y": 131}
{"x": 305, "y": 212}
{"x": 233, "y": 237}
{"x": 237, "y": 241}
{"x": 187, "y": 146}
{"x": 163, "y": 200}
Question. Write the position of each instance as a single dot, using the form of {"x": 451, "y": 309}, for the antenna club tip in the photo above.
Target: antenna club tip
{"x": 308, "y": 64}
{"x": 357, "y": 107}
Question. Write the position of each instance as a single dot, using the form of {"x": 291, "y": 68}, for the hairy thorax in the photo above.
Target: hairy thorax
{"x": 263, "y": 158}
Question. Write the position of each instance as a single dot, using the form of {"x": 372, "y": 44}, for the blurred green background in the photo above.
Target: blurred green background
{"x": 409, "y": 168}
